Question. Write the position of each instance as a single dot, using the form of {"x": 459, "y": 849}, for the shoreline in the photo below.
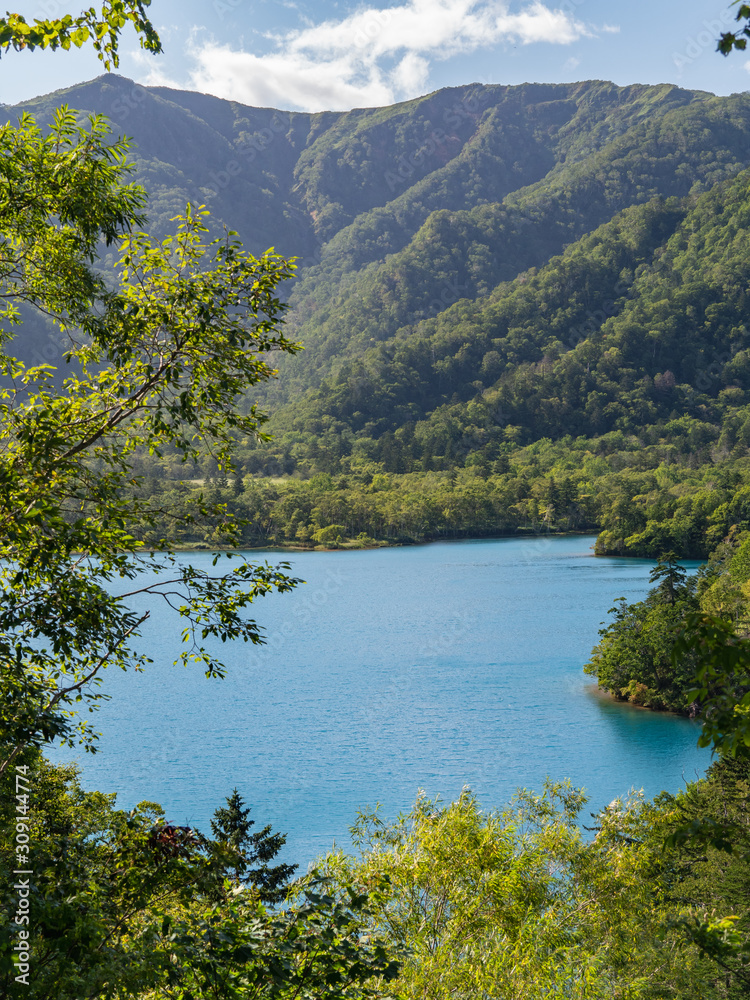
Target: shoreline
{"x": 352, "y": 546}
{"x": 594, "y": 690}
{"x": 289, "y": 547}
{"x": 379, "y": 544}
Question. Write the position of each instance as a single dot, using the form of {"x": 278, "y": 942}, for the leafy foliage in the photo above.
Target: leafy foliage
{"x": 684, "y": 648}
{"x": 721, "y": 680}
{"x": 521, "y": 903}
{"x": 483, "y": 269}
{"x": 102, "y": 30}
{"x": 736, "y": 39}
{"x": 125, "y": 905}
{"x": 517, "y": 356}
{"x": 710, "y": 833}
{"x": 634, "y": 659}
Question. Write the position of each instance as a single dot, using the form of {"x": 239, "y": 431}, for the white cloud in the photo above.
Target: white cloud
{"x": 411, "y": 74}
{"x": 570, "y": 64}
{"x": 371, "y": 57}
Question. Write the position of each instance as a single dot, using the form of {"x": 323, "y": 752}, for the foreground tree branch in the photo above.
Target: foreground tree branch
{"x": 158, "y": 359}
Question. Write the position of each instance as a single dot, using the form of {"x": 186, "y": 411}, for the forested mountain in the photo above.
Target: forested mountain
{"x": 638, "y": 322}
{"x": 501, "y": 289}
{"x": 398, "y": 212}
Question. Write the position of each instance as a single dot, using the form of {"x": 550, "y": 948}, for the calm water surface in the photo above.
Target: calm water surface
{"x": 392, "y": 670}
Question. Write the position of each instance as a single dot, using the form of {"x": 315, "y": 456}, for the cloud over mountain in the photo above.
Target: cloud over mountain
{"x": 371, "y": 57}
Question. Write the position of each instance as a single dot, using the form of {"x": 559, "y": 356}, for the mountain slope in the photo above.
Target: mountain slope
{"x": 637, "y": 324}
{"x": 417, "y": 223}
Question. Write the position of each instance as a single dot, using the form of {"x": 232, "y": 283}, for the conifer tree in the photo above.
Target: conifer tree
{"x": 671, "y": 575}
{"x": 231, "y": 826}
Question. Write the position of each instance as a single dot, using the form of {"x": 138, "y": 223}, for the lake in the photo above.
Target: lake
{"x": 390, "y": 670}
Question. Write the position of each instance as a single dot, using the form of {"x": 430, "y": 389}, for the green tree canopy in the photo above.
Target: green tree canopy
{"x": 520, "y": 903}
{"x": 670, "y": 576}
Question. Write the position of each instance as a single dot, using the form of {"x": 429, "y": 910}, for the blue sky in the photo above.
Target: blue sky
{"x": 314, "y": 55}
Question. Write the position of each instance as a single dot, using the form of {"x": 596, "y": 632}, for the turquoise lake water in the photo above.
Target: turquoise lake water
{"x": 391, "y": 670}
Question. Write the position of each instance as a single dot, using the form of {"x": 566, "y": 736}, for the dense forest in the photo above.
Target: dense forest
{"x": 522, "y": 310}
